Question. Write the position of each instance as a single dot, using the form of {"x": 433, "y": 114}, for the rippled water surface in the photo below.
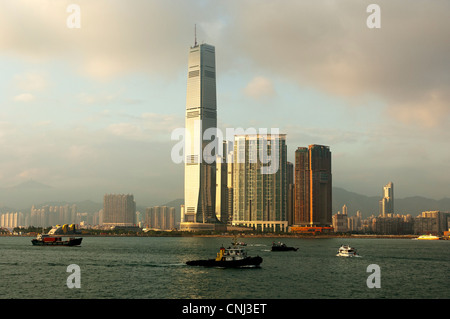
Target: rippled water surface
{"x": 153, "y": 267}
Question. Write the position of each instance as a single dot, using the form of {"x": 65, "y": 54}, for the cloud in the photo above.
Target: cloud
{"x": 329, "y": 47}
{"x": 30, "y": 81}
{"x": 114, "y": 39}
{"x": 259, "y": 87}
{"x": 325, "y": 45}
{"x": 429, "y": 112}
{"x": 24, "y": 97}
{"x": 147, "y": 127}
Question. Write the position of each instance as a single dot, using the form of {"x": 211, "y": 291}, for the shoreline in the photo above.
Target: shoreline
{"x": 242, "y": 235}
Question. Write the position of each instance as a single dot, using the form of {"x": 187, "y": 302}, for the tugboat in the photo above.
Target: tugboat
{"x": 347, "y": 251}
{"x": 229, "y": 258}
{"x": 47, "y": 240}
{"x": 282, "y": 247}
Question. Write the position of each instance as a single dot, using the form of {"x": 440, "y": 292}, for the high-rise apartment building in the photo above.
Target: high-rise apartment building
{"x": 160, "y": 217}
{"x": 290, "y": 192}
{"x": 387, "y": 202}
{"x": 260, "y": 198}
{"x": 313, "y": 205}
{"x": 340, "y": 221}
{"x": 119, "y": 210}
{"x": 201, "y": 115}
{"x": 12, "y": 220}
{"x": 223, "y": 185}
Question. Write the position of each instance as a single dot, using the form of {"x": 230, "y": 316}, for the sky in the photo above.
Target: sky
{"x": 91, "y": 110}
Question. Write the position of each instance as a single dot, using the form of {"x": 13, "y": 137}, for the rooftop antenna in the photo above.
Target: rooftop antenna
{"x": 195, "y": 34}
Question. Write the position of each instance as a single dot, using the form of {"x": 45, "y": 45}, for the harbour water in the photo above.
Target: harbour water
{"x": 154, "y": 268}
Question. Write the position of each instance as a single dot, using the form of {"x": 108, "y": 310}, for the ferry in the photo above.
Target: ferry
{"x": 231, "y": 257}
{"x": 428, "y": 237}
{"x": 347, "y": 251}
{"x": 47, "y": 240}
{"x": 282, "y": 247}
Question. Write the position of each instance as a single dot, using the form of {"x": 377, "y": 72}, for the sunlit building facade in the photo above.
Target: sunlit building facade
{"x": 201, "y": 116}
{"x": 260, "y": 199}
{"x": 387, "y": 202}
{"x": 313, "y": 188}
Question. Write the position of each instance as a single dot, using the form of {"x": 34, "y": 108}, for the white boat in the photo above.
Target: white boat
{"x": 347, "y": 251}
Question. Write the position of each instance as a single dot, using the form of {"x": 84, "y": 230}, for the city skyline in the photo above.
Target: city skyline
{"x": 91, "y": 110}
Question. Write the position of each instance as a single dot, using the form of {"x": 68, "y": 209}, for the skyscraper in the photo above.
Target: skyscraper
{"x": 201, "y": 116}
{"x": 119, "y": 210}
{"x": 160, "y": 217}
{"x": 313, "y": 206}
{"x": 387, "y": 202}
{"x": 222, "y": 184}
{"x": 260, "y": 200}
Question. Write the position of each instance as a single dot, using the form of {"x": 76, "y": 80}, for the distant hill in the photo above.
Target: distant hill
{"x": 31, "y": 184}
{"x": 368, "y": 205}
{"x": 25, "y": 194}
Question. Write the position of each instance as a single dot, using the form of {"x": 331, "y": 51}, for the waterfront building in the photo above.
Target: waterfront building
{"x": 354, "y": 222}
{"x": 230, "y": 180}
{"x": 12, "y": 220}
{"x": 313, "y": 189}
{"x": 160, "y": 217}
{"x": 432, "y": 222}
{"x": 260, "y": 196}
{"x": 340, "y": 221}
{"x": 392, "y": 224}
{"x": 119, "y": 210}
{"x": 223, "y": 184}
{"x": 387, "y": 202}
{"x": 290, "y": 193}
{"x": 199, "y": 210}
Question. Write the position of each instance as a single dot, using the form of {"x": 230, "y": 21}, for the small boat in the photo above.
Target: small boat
{"x": 229, "y": 258}
{"x": 238, "y": 243}
{"x": 47, "y": 240}
{"x": 282, "y": 247}
{"x": 347, "y": 251}
{"x": 428, "y": 237}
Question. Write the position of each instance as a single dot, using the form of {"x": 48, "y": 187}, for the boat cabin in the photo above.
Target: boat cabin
{"x": 231, "y": 254}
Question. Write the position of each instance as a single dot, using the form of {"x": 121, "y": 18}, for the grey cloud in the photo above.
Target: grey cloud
{"x": 326, "y": 44}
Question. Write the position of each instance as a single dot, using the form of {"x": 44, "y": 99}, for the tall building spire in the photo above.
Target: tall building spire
{"x": 195, "y": 35}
